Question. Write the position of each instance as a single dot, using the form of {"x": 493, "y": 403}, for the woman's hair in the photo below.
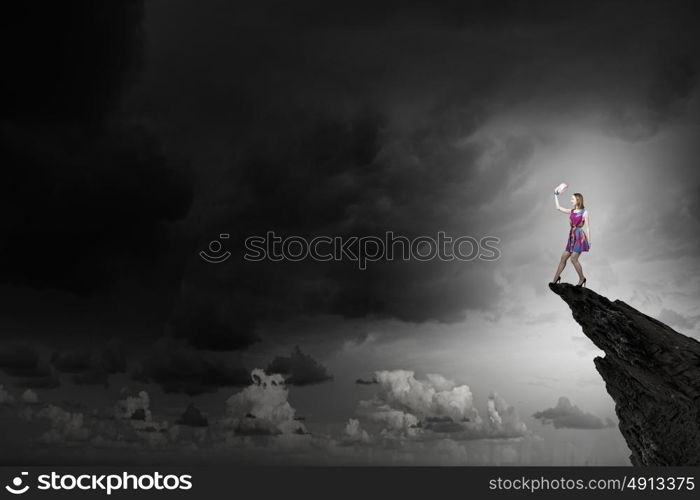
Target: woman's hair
{"x": 579, "y": 200}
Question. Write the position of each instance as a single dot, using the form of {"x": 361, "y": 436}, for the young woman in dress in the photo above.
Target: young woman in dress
{"x": 579, "y": 236}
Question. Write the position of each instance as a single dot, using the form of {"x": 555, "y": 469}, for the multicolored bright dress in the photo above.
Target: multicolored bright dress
{"x": 577, "y": 238}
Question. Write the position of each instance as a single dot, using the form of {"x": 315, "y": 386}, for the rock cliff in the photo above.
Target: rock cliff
{"x": 652, "y": 373}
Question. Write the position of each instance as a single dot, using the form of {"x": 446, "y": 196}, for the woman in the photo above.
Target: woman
{"x": 579, "y": 236}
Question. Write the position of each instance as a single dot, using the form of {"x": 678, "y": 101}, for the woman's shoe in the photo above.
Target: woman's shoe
{"x": 583, "y": 283}
{"x": 555, "y": 282}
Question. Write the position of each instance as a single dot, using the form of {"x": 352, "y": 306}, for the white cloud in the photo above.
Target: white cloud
{"x": 397, "y": 422}
{"x": 354, "y": 433}
{"x": 134, "y": 405}
{"x": 30, "y": 397}
{"x": 412, "y": 408}
{"x": 65, "y": 426}
{"x": 137, "y": 412}
{"x": 434, "y": 397}
{"x": 262, "y": 408}
{"x": 568, "y": 415}
{"x": 5, "y": 397}
{"x": 504, "y": 418}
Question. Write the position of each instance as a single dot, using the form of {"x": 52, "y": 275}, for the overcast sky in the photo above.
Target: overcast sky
{"x": 152, "y": 129}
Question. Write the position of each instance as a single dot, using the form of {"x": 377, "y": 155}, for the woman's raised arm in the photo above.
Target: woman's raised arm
{"x": 559, "y": 207}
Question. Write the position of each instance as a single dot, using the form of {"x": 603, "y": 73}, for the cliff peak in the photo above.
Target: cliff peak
{"x": 652, "y": 373}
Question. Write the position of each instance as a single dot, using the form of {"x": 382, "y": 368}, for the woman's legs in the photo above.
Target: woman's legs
{"x": 562, "y": 263}
{"x": 577, "y": 265}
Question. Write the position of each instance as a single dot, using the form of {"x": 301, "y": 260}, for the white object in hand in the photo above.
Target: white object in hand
{"x": 561, "y": 187}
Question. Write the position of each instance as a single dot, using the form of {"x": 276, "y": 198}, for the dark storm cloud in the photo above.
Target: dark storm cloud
{"x": 46, "y": 380}
{"x": 309, "y": 164}
{"x": 91, "y": 366}
{"x": 672, "y": 81}
{"x": 305, "y": 120}
{"x": 24, "y": 363}
{"x": 335, "y": 180}
{"x": 299, "y": 368}
{"x": 92, "y": 376}
{"x": 71, "y": 361}
{"x": 19, "y": 360}
{"x": 362, "y": 381}
{"x": 213, "y": 322}
{"x": 192, "y": 417}
{"x": 566, "y": 415}
{"x": 68, "y": 61}
{"x": 372, "y": 124}
{"x": 103, "y": 207}
{"x": 177, "y": 368}
{"x": 90, "y": 191}
{"x": 113, "y": 358}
